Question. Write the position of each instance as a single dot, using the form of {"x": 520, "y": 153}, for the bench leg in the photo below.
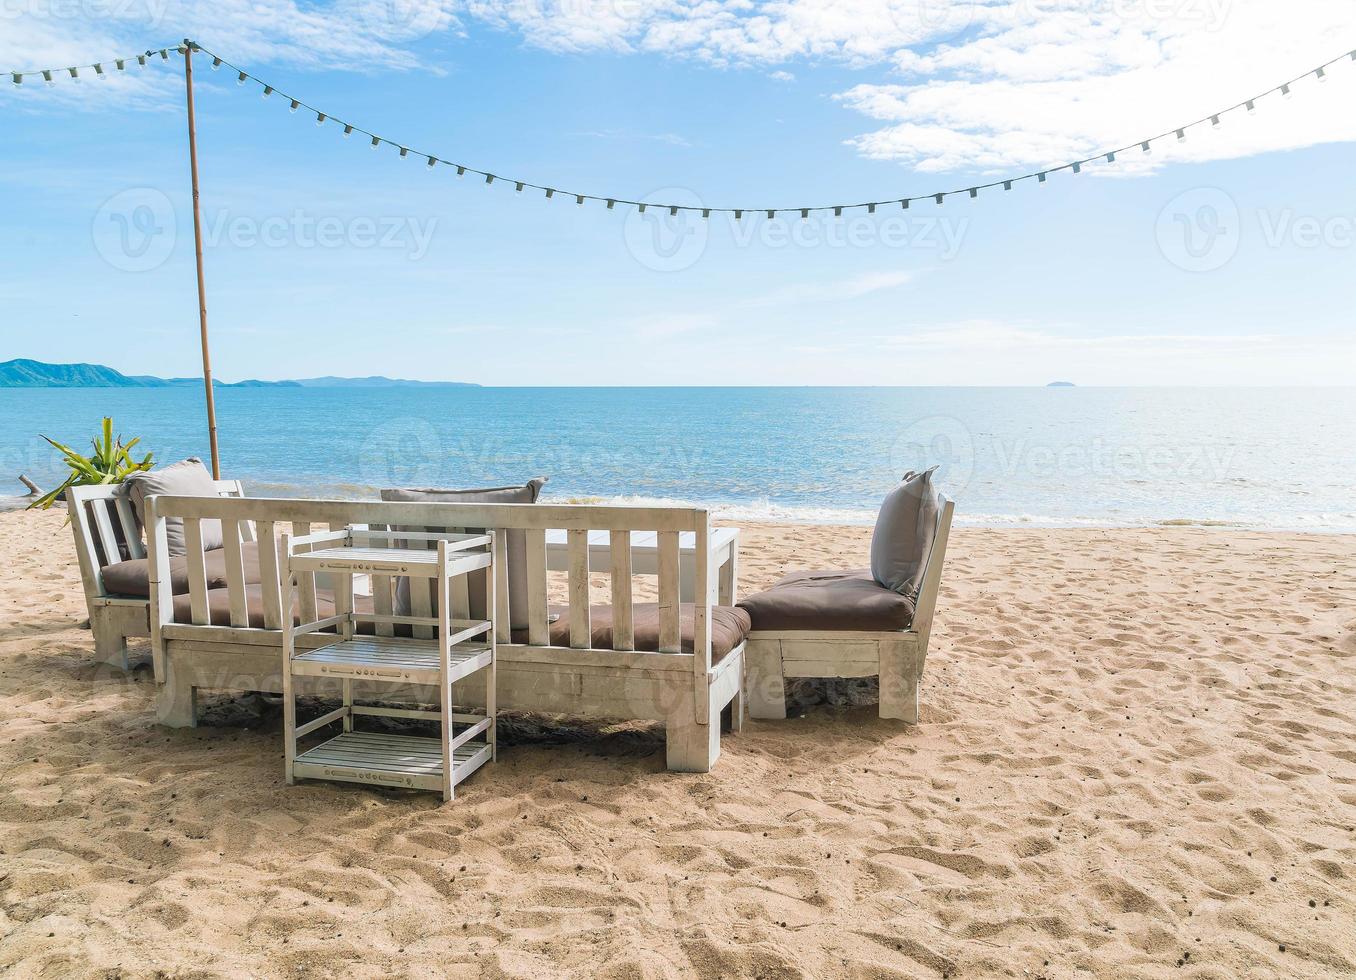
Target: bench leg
{"x": 110, "y": 646}
{"x": 176, "y": 704}
{"x": 691, "y": 747}
{"x": 764, "y": 684}
{"x": 899, "y": 682}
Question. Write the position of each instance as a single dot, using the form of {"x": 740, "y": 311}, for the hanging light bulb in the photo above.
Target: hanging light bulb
{"x": 141, "y": 60}
{"x": 75, "y": 73}
{"x": 376, "y": 142}
{"x": 1320, "y": 74}
{"x": 241, "y": 79}
{"x": 294, "y": 106}
{"x": 1040, "y": 178}
{"x": 121, "y": 63}
{"x": 1146, "y": 147}
{"x": 706, "y": 213}
{"x": 47, "y": 77}
{"x": 99, "y": 71}
{"x": 164, "y": 54}
{"x": 974, "y": 192}
{"x": 1181, "y": 135}
{"x": 216, "y": 64}
{"x": 550, "y": 193}
{"x": 348, "y": 131}
{"x": 432, "y": 162}
{"x": 804, "y": 213}
{"x": 1007, "y": 185}
{"x": 404, "y": 152}
{"x": 1214, "y": 120}
{"x": 320, "y": 119}
{"x": 268, "y": 90}
{"x": 579, "y": 200}
{"x": 904, "y": 204}
{"x": 1111, "y": 157}
{"x": 489, "y": 179}
{"x": 837, "y": 212}
{"x": 518, "y": 187}
{"x": 1078, "y": 168}
{"x": 1252, "y": 109}
{"x": 673, "y": 211}
{"x": 870, "y": 209}
{"x": 1285, "y": 90}
{"x": 938, "y": 198}
{"x": 611, "y": 204}
{"x": 461, "y": 172}
{"x": 771, "y": 214}
{"x": 739, "y": 214}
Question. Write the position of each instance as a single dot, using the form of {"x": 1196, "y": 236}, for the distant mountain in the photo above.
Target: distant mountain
{"x": 1061, "y": 384}
{"x": 25, "y": 373}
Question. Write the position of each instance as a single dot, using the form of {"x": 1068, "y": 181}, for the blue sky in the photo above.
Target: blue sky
{"x": 1225, "y": 260}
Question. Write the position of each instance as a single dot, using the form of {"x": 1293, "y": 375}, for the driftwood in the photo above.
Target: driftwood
{"x": 33, "y": 490}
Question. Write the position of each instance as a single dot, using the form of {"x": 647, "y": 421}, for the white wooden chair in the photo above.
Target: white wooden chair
{"x": 551, "y": 666}
{"x": 106, "y": 532}
{"x": 895, "y": 656}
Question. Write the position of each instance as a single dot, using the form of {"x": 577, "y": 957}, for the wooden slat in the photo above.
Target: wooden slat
{"x": 701, "y": 622}
{"x": 461, "y": 596}
{"x": 670, "y": 635}
{"x": 305, "y": 580}
{"x": 383, "y": 602}
{"x": 104, "y": 526}
{"x": 235, "y": 573}
{"x": 270, "y": 576}
{"x": 131, "y": 532}
{"x": 538, "y": 629}
{"x": 502, "y": 613}
{"x": 580, "y": 626}
{"x": 90, "y": 572}
{"x": 197, "y": 572}
{"x": 623, "y": 621}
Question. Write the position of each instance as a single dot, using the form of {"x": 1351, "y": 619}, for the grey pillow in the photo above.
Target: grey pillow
{"x": 187, "y": 478}
{"x": 516, "y": 547}
{"x": 905, "y": 527}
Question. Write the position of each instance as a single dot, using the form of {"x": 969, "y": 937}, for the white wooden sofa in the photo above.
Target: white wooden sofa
{"x": 106, "y": 533}
{"x": 895, "y": 655}
{"x": 578, "y": 660}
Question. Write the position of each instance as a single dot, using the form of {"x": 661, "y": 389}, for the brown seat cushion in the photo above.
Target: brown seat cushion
{"x": 729, "y": 627}
{"x": 219, "y": 607}
{"x": 829, "y": 601}
{"x": 133, "y": 578}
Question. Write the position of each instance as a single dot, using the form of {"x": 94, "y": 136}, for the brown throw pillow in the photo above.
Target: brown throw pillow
{"x": 188, "y": 478}
{"x": 517, "y": 544}
{"x": 905, "y": 527}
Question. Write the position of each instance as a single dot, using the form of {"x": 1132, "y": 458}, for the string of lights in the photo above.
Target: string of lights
{"x": 433, "y": 161}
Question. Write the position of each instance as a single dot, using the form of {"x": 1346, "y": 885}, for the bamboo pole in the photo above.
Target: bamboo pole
{"x": 197, "y": 253}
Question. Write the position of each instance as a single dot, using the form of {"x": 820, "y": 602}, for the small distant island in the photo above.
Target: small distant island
{"x": 1061, "y": 384}
{"x": 24, "y": 373}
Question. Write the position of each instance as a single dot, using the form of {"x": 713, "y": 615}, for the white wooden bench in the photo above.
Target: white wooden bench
{"x": 106, "y": 532}
{"x": 896, "y": 657}
{"x": 685, "y": 690}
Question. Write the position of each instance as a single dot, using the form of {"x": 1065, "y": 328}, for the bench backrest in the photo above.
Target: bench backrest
{"x": 298, "y": 517}
{"x": 932, "y": 571}
{"x": 106, "y": 529}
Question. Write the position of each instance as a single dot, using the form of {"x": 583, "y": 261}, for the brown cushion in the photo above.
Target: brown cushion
{"x": 829, "y": 601}
{"x": 516, "y": 545}
{"x": 729, "y": 627}
{"x": 133, "y": 578}
{"x": 187, "y": 478}
{"x": 903, "y": 535}
{"x": 219, "y": 607}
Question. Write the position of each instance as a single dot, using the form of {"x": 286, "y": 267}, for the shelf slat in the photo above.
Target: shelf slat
{"x": 393, "y": 659}
{"x": 388, "y": 760}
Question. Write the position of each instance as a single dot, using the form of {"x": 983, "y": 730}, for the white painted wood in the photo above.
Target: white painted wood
{"x": 235, "y": 572}
{"x": 670, "y": 635}
{"x": 532, "y": 676}
{"x": 623, "y": 615}
{"x": 270, "y": 577}
{"x": 581, "y": 629}
{"x": 103, "y": 524}
{"x": 701, "y": 622}
{"x": 303, "y": 586}
{"x": 196, "y": 560}
{"x": 131, "y": 530}
{"x": 538, "y": 628}
{"x": 499, "y": 589}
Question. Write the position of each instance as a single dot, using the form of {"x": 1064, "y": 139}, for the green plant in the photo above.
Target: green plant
{"x": 111, "y": 463}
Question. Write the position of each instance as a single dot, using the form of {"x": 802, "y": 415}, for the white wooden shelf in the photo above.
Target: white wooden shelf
{"x": 442, "y": 651}
{"x": 394, "y": 659}
{"x": 379, "y": 759}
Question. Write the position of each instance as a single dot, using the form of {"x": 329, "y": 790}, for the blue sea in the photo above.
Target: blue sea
{"x": 1265, "y": 458}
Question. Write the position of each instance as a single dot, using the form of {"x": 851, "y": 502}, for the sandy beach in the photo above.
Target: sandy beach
{"x": 1137, "y": 757}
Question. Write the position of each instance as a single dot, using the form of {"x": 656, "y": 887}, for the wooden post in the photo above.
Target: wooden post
{"x": 197, "y": 252}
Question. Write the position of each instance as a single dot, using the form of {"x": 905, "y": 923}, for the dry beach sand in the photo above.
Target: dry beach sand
{"x": 1137, "y": 758}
